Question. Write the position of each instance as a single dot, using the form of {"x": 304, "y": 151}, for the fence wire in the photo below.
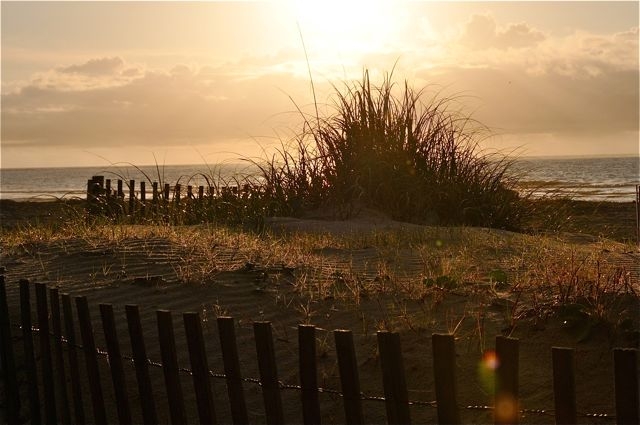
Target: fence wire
{"x": 284, "y": 386}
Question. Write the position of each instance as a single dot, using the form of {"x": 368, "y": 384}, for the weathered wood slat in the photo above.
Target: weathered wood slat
{"x": 76, "y": 388}
{"x": 115, "y": 363}
{"x": 349, "y": 380}
{"x": 45, "y": 353}
{"x": 132, "y": 197}
{"x": 91, "y": 359}
{"x": 444, "y": 372}
{"x": 393, "y": 379}
{"x": 229, "y": 348}
{"x": 61, "y": 390}
{"x": 199, "y": 368}
{"x": 145, "y": 390}
{"x": 308, "y": 374}
{"x": 170, "y": 367}
{"x": 564, "y": 387}
{"x": 8, "y": 359}
{"x": 506, "y": 408}
{"x": 29, "y": 357}
{"x": 268, "y": 373}
{"x": 625, "y": 361}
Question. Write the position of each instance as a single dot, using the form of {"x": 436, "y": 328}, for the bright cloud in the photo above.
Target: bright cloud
{"x": 482, "y": 32}
{"x": 522, "y": 80}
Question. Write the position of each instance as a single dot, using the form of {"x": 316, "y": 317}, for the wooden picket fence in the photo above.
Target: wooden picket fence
{"x": 136, "y": 199}
{"x": 61, "y": 406}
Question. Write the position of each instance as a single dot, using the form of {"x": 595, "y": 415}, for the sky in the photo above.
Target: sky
{"x": 95, "y": 83}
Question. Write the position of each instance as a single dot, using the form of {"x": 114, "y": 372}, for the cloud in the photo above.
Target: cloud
{"x": 102, "y": 66}
{"x": 482, "y": 32}
{"x": 515, "y": 102}
{"x": 132, "y": 105}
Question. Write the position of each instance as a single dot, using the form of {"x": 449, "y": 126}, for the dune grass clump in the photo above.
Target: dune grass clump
{"x": 383, "y": 147}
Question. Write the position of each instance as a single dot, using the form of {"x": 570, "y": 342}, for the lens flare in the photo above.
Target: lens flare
{"x": 506, "y": 409}
{"x": 486, "y": 370}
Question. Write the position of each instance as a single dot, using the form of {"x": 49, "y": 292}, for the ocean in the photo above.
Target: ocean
{"x": 586, "y": 178}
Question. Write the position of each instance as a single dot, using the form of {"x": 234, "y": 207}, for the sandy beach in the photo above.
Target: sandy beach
{"x": 358, "y": 274}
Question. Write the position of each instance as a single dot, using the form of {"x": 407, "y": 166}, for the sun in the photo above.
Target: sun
{"x": 346, "y": 27}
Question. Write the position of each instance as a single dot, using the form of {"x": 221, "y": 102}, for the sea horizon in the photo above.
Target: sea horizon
{"x": 594, "y": 177}
{"x": 242, "y": 161}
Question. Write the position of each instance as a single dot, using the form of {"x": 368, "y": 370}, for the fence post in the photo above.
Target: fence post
{"x": 120, "y": 192}
{"x": 154, "y": 198}
{"x": 91, "y": 359}
{"x": 625, "y": 362}
{"x": 29, "y": 358}
{"x": 199, "y": 368}
{"x": 115, "y": 363}
{"x": 132, "y": 197}
{"x": 76, "y": 390}
{"x": 8, "y": 360}
{"x": 143, "y": 199}
{"x": 231, "y": 362}
{"x": 506, "y": 407}
{"x": 393, "y": 379}
{"x": 308, "y": 374}
{"x": 564, "y": 387}
{"x": 170, "y": 367}
{"x": 638, "y": 214}
{"x": 444, "y": 369}
{"x": 45, "y": 350}
{"x": 65, "y": 414}
{"x": 149, "y": 415}
{"x": 349, "y": 380}
{"x": 176, "y": 195}
{"x": 268, "y": 373}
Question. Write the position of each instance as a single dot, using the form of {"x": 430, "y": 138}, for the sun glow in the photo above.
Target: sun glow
{"x": 332, "y": 28}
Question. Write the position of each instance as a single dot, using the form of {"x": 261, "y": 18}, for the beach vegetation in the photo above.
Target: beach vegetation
{"x": 388, "y": 148}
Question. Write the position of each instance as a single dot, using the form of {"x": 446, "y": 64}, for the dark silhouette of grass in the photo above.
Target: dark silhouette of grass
{"x": 385, "y": 148}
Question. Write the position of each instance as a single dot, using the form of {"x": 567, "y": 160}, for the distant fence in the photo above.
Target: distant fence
{"x": 167, "y": 202}
{"x": 638, "y": 214}
{"x": 55, "y": 336}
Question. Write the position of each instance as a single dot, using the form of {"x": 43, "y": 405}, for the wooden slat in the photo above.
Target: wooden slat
{"x": 45, "y": 353}
{"x": 564, "y": 387}
{"x": 61, "y": 390}
{"x": 132, "y": 197}
{"x": 229, "y": 348}
{"x": 349, "y": 380}
{"x": 199, "y": 368}
{"x": 176, "y": 194}
{"x": 393, "y": 379}
{"x": 115, "y": 363}
{"x": 76, "y": 388}
{"x": 29, "y": 357}
{"x": 625, "y": 361}
{"x": 170, "y": 367}
{"x": 444, "y": 370}
{"x": 268, "y": 373}
{"x": 143, "y": 198}
{"x": 308, "y": 374}
{"x": 8, "y": 359}
{"x": 506, "y": 408}
{"x": 91, "y": 360}
{"x": 147, "y": 401}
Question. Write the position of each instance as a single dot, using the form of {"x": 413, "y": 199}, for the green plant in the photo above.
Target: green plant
{"x": 385, "y": 148}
